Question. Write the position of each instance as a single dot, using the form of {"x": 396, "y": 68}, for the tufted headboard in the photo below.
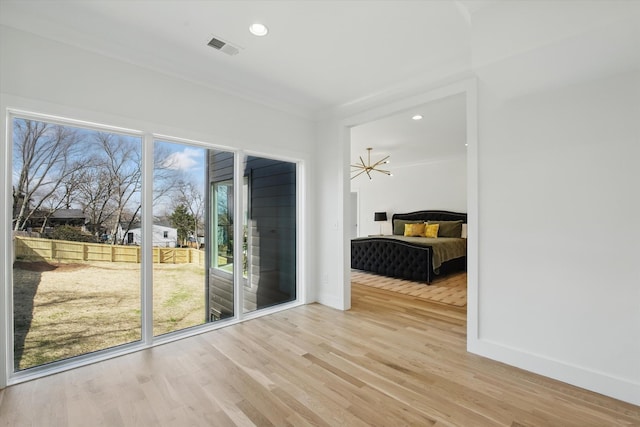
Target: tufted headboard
{"x": 431, "y": 216}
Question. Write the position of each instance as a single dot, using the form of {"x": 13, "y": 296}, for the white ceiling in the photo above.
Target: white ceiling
{"x": 322, "y": 55}
{"x": 318, "y": 55}
{"x": 440, "y": 134}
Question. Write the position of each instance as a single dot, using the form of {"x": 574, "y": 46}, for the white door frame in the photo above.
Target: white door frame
{"x": 468, "y": 87}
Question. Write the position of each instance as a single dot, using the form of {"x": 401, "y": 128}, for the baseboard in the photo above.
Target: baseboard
{"x": 330, "y": 301}
{"x": 598, "y": 382}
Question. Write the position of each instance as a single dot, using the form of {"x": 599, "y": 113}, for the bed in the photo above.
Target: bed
{"x": 414, "y": 258}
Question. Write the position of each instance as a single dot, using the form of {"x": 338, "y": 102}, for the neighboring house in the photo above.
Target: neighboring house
{"x": 163, "y": 237}
{"x": 70, "y": 217}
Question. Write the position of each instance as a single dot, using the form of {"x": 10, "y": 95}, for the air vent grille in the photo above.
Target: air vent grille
{"x": 223, "y": 46}
{"x": 216, "y": 43}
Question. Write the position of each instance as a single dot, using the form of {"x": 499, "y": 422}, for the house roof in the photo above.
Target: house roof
{"x": 69, "y": 214}
{"x": 155, "y": 227}
{"x": 60, "y": 214}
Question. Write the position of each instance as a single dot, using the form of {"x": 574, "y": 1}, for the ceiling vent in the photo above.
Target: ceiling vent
{"x": 223, "y": 46}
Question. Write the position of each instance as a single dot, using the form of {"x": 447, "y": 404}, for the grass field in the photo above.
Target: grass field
{"x": 64, "y": 310}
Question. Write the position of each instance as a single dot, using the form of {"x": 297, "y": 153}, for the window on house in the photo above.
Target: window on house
{"x": 165, "y": 234}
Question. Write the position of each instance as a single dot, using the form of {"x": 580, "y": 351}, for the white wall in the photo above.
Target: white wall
{"x": 559, "y": 239}
{"x": 332, "y": 264}
{"x": 559, "y": 143}
{"x": 438, "y": 184}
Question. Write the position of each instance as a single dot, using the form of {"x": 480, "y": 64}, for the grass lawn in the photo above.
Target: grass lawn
{"x": 64, "y": 310}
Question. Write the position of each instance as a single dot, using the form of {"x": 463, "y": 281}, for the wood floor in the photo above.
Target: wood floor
{"x": 390, "y": 361}
{"x": 450, "y": 290}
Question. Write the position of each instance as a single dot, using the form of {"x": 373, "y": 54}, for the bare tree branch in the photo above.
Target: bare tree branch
{"x": 43, "y": 157}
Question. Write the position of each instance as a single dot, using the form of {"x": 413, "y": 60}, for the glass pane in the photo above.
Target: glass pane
{"x": 179, "y": 236}
{"x": 270, "y": 236}
{"x": 223, "y": 196}
{"x": 76, "y": 237}
{"x": 221, "y": 289}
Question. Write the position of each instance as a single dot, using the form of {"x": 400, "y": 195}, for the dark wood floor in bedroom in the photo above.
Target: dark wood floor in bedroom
{"x": 391, "y": 360}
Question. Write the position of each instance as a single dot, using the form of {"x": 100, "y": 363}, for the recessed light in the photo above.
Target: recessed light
{"x": 258, "y": 29}
{"x": 417, "y": 117}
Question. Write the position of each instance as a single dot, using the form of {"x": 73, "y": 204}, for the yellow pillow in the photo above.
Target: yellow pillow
{"x": 431, "y": 230}
{"x": 414, "y": 230}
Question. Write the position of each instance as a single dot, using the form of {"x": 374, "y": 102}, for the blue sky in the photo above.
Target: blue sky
{"x": 188, "y": 159}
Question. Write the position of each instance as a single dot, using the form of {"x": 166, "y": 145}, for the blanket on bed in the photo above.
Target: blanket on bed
{"x": 443, "y": 248}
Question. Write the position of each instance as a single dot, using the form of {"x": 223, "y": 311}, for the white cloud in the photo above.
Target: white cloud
{"x": 183, "y": 160}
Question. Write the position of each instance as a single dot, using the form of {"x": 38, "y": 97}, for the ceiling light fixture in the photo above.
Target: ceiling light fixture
{"x": 417, "y": 117}
{"x": 258, "y": 29}
{"x": 360, "y": 168}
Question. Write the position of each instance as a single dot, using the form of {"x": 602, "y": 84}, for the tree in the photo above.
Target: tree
{"x": 192, "y": 199}
{"x": 166, "y": 176}
{"x": 44, "y": 156}
{"x": 182, "y": 220}
{"x": 59, "y": 166}
{"x": 95, "y": 189}
{"x": 111, "y": 186}
{"x": 119, "y": 160}
{"x": 63, "y": 197}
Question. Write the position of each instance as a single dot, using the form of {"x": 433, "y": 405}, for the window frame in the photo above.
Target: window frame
{"x": 8, "y": 375}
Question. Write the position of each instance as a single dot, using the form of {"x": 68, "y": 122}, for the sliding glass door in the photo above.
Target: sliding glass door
{"x": 95, "y": 210}
{"x": 76, "y": 240}
{"x": 270, "y": 233}
{"x": 181, "y": 236}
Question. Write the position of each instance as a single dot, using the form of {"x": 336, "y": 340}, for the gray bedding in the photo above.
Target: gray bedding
{"x": 443, "y": 248}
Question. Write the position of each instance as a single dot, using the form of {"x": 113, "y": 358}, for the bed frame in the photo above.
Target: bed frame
{"x": 404, "y": 260}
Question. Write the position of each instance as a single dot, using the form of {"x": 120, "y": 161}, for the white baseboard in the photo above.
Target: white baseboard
{"x": 598, "y": 382}
{"x": 330, "y": 301}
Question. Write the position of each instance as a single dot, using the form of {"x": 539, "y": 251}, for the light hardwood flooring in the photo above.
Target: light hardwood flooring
{"x": 392, "y": 360}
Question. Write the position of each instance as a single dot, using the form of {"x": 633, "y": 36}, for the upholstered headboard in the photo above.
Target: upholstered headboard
{"x": 423, "y": 216}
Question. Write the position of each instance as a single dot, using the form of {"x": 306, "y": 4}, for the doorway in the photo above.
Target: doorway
{"x": 468, "y": 90}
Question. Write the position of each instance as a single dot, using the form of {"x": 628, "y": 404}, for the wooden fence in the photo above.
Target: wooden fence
{"x": 62, "y": 250}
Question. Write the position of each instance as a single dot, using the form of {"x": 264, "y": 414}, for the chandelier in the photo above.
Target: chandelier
{"x": 360, "y": 168}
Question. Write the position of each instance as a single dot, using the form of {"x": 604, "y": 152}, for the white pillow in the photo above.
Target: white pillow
{"x": 464, "y": 231}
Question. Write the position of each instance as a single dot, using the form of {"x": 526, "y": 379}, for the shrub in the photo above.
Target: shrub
{"x": 67, "y": 232}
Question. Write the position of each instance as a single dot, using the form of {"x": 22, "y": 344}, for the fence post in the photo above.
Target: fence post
{"x": 85, "y": 252}
{"x": 53, "y": 248}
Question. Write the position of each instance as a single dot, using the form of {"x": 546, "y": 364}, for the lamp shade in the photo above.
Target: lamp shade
{"x": 380, "y": 216}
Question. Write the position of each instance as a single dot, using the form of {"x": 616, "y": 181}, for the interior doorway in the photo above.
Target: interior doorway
{"x": 468, "y": 91}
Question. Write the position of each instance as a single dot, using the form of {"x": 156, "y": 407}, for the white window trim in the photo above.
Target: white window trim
{"x": 8, "y": 376}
